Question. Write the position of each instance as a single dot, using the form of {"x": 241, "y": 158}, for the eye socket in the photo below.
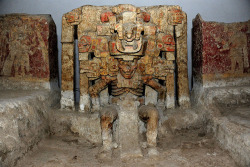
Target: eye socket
{"x": 121, "y": 62}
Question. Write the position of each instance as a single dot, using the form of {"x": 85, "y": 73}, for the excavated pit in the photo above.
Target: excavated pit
{"x": 215, "y": 135}
{"x": 186, "y": 148}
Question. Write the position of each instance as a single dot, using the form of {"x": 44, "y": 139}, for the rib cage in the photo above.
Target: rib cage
{"x": 115, "y": 91}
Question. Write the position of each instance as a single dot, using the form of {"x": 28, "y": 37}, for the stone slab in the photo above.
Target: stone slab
{"x": 68, "y": 122}
{"x": 23, "y": 121}
{"x": 233, "y": 135}
{"x": 129, "y": 126}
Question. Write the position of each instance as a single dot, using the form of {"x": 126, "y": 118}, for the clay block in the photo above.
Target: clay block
{"x": 28, "y": 48}
{"x": 103, "y": 30}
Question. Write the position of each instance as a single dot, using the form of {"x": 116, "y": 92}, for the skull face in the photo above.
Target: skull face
{"x": 129, "y": 38}
{"x": 127, "y": 68}
{"x": 129, "y": 31}
{"x": 129, "y": 34}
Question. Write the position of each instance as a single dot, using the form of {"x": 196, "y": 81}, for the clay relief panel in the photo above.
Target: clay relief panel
{"x": 25, "y": 47}
{"x": 125, "y": 48}
{"x": 221, "y": 48}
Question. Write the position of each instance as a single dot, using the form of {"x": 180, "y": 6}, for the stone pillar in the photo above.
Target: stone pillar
{"x": 67, "y": 84}
{"x": 182, "y": 80}
{"x": 84, "y": 102}
{"x": 67, "y": 87}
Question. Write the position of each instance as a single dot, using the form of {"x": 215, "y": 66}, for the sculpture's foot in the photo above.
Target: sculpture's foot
{"x": 152, "y": 151}
{"x": 105, "y": 154}
{"x": 128, "y": 154}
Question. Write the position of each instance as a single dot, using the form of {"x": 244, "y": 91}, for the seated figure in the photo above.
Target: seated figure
{"x": 128, "y": 81}
{"x": 127, "y": 50}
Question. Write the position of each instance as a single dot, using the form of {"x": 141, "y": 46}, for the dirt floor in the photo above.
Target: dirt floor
{"x": 187, "y": 148}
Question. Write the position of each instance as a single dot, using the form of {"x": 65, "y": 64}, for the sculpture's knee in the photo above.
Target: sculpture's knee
{"x": 153, "y": 119}
{"x": 153, "y": 113}
{"x": 148, "y": 113}
{"x": 106, "y": 122}
{"x": 108, "y": 115}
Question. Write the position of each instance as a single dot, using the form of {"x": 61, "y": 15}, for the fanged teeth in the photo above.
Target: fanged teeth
{"x": 135, "y": 46}
{"x": 125, "y": 43}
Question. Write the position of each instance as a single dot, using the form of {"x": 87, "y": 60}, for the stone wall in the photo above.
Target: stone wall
{"x": 221, "y": 57}
{"x": 28, "y": 51}
{"x": 23, "y": 122}
{"x": 221, "y": 73}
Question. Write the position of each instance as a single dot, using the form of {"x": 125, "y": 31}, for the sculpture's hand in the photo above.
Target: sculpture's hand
{"x": 95, "y": 105}
{"x": 156, "y": 86}
{"x": 94, "y": 91}
{"x": 161, "y": 104}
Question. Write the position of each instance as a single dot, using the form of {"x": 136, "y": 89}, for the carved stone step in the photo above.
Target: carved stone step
{"x": 128, "y": 128}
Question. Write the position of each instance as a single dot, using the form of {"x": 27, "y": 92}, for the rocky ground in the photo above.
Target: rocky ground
{"x": 27, "y": 119}
{"x": 186, "y": 148}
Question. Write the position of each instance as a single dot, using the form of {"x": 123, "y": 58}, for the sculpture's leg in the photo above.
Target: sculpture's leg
{"x": 149, "y": 114}
{"x": 108, "y": 116}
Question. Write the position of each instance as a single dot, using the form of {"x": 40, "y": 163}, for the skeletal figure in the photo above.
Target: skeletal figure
{"x": 127, "y": 81}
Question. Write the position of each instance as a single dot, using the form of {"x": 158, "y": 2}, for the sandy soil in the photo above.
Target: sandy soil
{"x": 187, "y": 148}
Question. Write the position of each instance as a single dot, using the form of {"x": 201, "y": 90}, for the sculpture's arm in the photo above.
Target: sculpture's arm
{"x": 148, "y": 80}
{"x": 94, "y": 91}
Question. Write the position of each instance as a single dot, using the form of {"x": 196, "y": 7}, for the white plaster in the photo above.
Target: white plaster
{"x": 46, "y": 85}
{"x": 184, "y": 99}
{"x": 67, "y": 99}
{"x": 84, "y": 102}
{"x": 227, "y": 82}
{"x": 153, "y": 152}
{"x": 225, "y": 93}
{"x": 170, "y": 103}
{"x": 10, "y": 83}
